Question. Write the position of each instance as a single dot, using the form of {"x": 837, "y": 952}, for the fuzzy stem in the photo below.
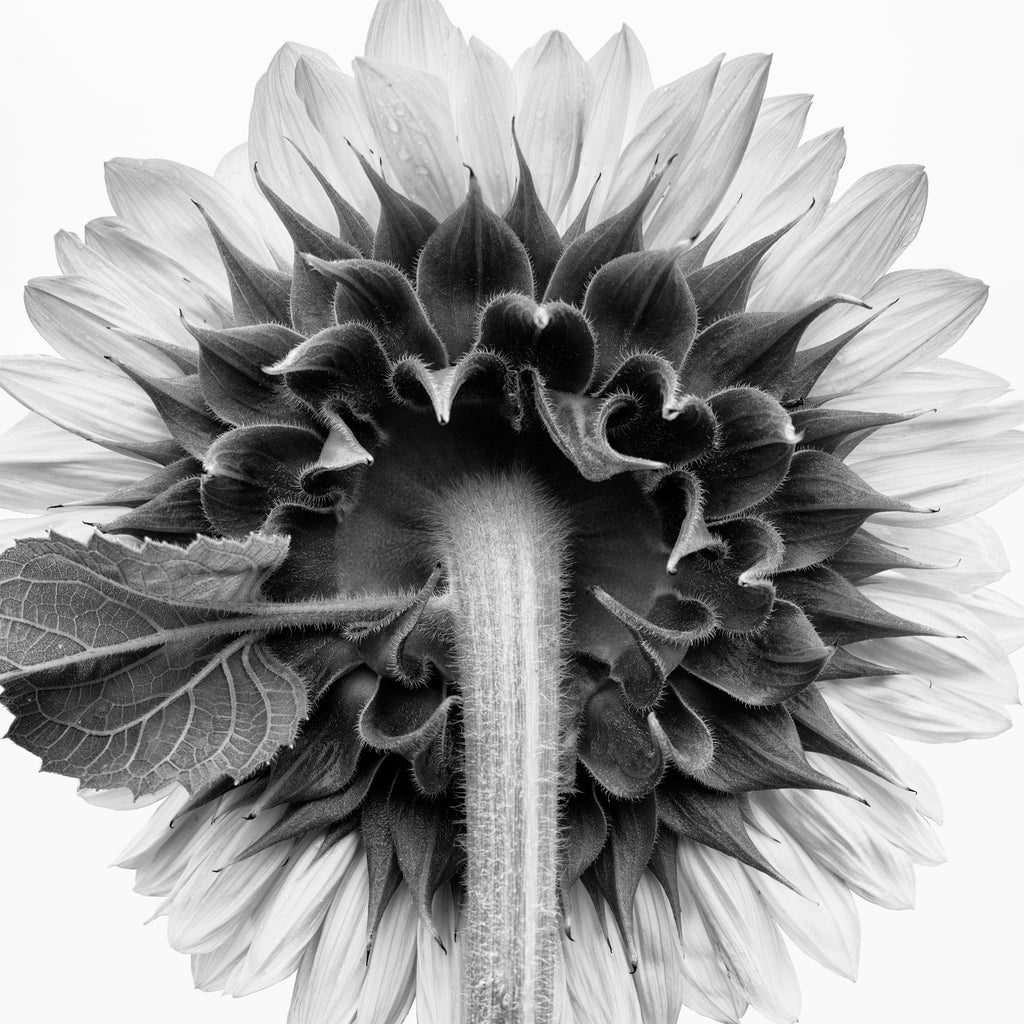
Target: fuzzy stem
{"x": 504, "y": 547}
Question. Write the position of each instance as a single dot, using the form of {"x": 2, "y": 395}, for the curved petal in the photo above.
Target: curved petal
{"x": 332, "y": 103}
{"x": 819, "y": 916}
{"x": 158, "y": 198}
{"x": 83, "y": 321}
{"x": 621, "y": 84}
{"x": 95, "y": 404}
{"x": 43, "y": 465}
{"x": 696, "y": 184}
{"x": 932, "y": 310}
{"x": 439, "y": 970}
{"x": 278, "y": 122}
{"x": 554, "y": 84}
{"x": 411, "y": 117}
{"x": 486, "y": 100}
{"x": 744, "y": 934}
{"x": 659, "y": 977}
{"x": 329, "y": 980}
{"x": 390, "y": 980}
{"x": 856, "y": 242}
{"x": 597, "y": 972}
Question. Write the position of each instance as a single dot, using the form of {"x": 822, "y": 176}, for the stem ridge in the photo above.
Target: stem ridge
{"x": 504, "y": 546}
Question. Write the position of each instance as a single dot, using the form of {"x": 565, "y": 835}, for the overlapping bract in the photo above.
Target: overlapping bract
{"x": 716, "y": 530}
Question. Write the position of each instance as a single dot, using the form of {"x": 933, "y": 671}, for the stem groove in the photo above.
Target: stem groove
{"x": 504, "y": 544}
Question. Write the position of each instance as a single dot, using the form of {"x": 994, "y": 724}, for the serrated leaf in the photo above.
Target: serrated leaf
{"x": 138, "y": 665}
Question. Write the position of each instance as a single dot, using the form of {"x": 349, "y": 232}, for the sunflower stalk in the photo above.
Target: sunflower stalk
{"x": 504, "y": 548}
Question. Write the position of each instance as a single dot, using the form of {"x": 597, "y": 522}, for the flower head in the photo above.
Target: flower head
{"x": 537, "y": 515}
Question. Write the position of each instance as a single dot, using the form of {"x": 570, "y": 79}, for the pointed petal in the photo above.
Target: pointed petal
{"x": 411, "y": 117}
{"x": 808, "y": 177}
{"x": 838, "y": 838}
{"x": 390, "y": 980}
{"x": 415, "y": 33}
{"x": 292, "y": 914}
{"x": 855, "y": 244}
{"x": 278, "y": 123}
{"x": 42, "y": 465}
{"x": 667, "y": 124}
{"x": 554, "y": 85}
{"x": 332, "y": 103}
{"x": 486, "y": 97}
{"x": 958, "y": 479}
{"x": 932, "y": 310}
{"x": 621, "y": 84}
{"x": 742, "y": 930}
{"x": 820, "y": 916}
{"x": 93, "y": 403}
{"x": 85, "y": 321}
{"x": 158, "y": 198}
{"x": 696, "y": 186}
{"x": 439, "y": 970}
{"x": 598, "y": 978}
{"x": 777, "y": 130}
{"x": 659, "y": 977}
{"x": 711, "y": 988}
{"x": 328, "y": 984}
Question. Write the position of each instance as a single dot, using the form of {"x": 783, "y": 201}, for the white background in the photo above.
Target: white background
{"x": 912, "y": 82}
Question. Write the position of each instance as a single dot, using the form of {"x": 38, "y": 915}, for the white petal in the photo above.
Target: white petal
{"x": 773, "y": 142}
{"x": 67, "y": 524}
{"x": 124, "y": 799}
{"x": 893, "y": 811}
{"x": 820, "y": 916}
{"x": 84, "y": 321}
{"x": 43, "y": 465}
{"x": 93, "y": 403}
{"x": 621, "y": 84}
{"x": 156, "y": 831}
{"x": 709, "y": 986}
{"x": 600, "y": 986}
{"x": 1002, "y": 615}
{"x": 958, "y": 479}
{"x": 837, "y": 838}
{"x": 554, "y": 84}
{"x": 810, "y": 176}
{"x": 856, "y": 242}
{"x": 486, "y": 101}
{"x": 697, "y": 181}
{"x": 937, "y": 384}
{"x": 158, "y": 197}
{"x": 439, "y": 971}
{"x": 156, "y": 272}
{"x": 235, "y": 173}
{"x": 932, "y": 310}
{"x": 331, "y": 975}
{"x": 161, "y": 855}
{"x": 970, "y": 553}
{"x": 666, "y": 125}
{"x": 278, "y": 122}
{"x": 971, "y": 662}
{"x": 742, "y": 930}
{"x": 292, "y": 912}
{"x": 390, "y": 982}
{"x": 126, "y": 302}
{"x": 411, "y": 117}
{"x": 416, "y": 34}
{"x": 910, "y": 706}
{"x": 891, "y": 756}
{"x": 213, "y": 971}
{"x": 332, "y": 103}
{"x": 216, "y": 892}
{"x": 659, "y": 979}
{"x": 934, "y": 429}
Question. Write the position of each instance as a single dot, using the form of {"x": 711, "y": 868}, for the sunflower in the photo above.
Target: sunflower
{"x": 521, "y": 502}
